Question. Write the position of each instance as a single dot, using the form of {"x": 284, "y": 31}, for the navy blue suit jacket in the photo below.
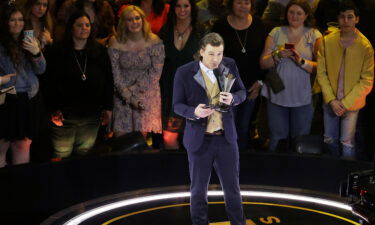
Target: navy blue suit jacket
{"x": 189, "y": 91}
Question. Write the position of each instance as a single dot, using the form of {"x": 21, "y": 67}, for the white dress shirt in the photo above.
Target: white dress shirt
{"x": 209, "y": 72}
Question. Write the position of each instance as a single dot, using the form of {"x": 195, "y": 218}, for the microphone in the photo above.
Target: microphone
{"x": 220, "y": 107}
{"x": 217, "y": 74}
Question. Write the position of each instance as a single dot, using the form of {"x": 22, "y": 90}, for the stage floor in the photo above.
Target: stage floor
{"x": 170, "y": 206}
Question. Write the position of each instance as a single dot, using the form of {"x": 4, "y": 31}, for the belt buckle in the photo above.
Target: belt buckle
{"x": 216, "y": 133}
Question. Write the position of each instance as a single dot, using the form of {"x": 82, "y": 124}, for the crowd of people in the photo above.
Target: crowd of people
{"x": 72, "y": 66}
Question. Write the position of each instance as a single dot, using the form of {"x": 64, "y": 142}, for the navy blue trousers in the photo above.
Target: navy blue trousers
{"x": 215, "y": 152}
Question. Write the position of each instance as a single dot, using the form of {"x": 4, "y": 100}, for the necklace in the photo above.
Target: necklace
{"x": 243, "y": 50}
{"x": 83, "y": 77}
{"x": 180, "y": 35}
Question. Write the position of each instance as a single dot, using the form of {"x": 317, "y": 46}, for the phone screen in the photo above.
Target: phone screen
{"x": 28, "y": 33}
{"x": 289, "y": 46}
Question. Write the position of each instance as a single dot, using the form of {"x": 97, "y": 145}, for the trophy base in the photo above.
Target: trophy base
{"x": 220, "y": 108}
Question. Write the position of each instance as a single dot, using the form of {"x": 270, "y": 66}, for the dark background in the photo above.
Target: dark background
{"x": 31, "y": 193}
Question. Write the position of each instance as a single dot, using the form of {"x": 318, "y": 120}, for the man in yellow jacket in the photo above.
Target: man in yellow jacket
{"x": 345, "y": 73}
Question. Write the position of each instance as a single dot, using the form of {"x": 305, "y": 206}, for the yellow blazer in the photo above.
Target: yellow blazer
{"x": 358, "y": 74}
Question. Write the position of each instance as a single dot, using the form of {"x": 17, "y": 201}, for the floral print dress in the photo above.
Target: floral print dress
{"x": 140, "y": 70}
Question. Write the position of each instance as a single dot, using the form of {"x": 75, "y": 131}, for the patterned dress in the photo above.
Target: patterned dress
{"x": 143, "y": 70}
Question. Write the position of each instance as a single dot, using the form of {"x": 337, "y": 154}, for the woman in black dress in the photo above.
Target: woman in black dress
{"x": 244, "y": 36}
{"x": 180, "y": 36}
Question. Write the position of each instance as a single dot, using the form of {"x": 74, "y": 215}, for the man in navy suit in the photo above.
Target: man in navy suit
{"x": 210, "y": 136}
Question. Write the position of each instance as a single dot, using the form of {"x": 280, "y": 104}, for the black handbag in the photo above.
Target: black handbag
{"x": 274, "y": 81}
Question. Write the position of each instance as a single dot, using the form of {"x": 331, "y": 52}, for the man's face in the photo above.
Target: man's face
{"x": 212, "y": 56}
{"x": 347, "y": 21}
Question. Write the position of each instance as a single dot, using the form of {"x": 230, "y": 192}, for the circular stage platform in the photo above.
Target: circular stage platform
{"x": 170, "y": 206}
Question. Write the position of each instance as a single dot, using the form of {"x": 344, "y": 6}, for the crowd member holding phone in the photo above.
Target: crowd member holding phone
{"x": 40, "y": 21}
{"x": 292, "y": 50}
{"x": 20, "y": 61}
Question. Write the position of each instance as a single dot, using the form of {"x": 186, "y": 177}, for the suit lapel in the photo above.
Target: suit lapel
{"x": 198, "y": 77}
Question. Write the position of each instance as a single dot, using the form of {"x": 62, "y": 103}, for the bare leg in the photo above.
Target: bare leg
{"x": 21, "y": 151}
{"x": 4, "y": 146}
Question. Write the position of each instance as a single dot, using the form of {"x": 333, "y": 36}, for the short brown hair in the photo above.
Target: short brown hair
{"x": 305, "y": 5}
{"x": 213, "y": 39}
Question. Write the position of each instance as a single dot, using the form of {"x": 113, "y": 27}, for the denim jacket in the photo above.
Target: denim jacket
{"x": 25, "y": 79}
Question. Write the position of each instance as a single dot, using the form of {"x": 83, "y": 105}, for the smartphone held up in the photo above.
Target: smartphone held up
{"x": 289, "y": 46}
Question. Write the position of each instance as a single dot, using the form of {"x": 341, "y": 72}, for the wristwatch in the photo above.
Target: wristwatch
{"x": 302, "y": 62}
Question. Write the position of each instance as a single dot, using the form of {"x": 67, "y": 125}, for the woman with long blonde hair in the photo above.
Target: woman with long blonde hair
{"x": 137, "y": 57}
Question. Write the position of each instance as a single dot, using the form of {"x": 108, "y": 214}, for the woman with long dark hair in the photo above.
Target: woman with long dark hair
{"x": 80, "y": 88}
{"x": 38, "y": 18}
{"x": 20, "y": 61}
{"x": 180, "y": 37}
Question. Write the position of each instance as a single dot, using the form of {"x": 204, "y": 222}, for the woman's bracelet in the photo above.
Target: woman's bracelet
{"x": 276, "y": 53}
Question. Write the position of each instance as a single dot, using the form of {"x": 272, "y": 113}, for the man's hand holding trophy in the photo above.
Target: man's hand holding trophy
{"x": 225, "y": 85}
